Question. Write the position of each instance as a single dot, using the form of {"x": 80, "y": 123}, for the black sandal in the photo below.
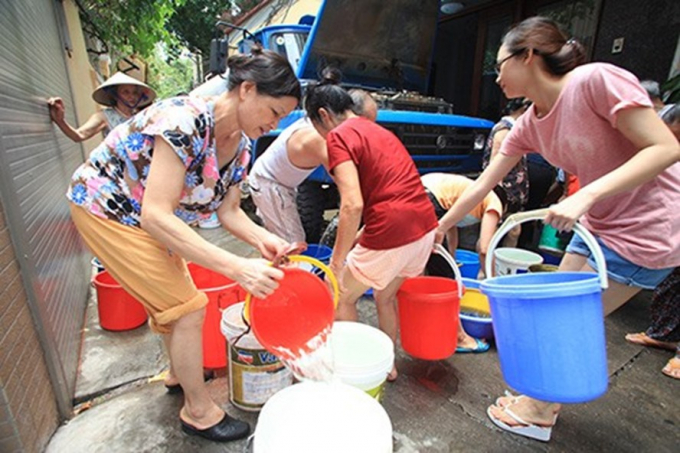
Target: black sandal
{"x": 225, "y": 430}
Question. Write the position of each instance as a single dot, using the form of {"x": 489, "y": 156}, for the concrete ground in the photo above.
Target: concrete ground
{"x": 434, "y": 406}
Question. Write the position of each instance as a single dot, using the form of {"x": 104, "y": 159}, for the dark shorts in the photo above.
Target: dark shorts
{"x": 438, "y": 209}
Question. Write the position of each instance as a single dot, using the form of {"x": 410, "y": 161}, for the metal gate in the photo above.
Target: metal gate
{"x": 36, "y": 162}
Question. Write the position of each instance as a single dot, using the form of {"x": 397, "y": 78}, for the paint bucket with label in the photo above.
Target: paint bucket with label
{"x": 254, "y": 373}
{"x": 363, "y": 356}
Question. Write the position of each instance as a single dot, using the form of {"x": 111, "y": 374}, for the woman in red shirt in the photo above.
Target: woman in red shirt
{"x": 378, "y": 181}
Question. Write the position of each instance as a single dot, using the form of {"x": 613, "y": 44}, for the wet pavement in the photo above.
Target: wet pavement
{"x": 434, "y": 406}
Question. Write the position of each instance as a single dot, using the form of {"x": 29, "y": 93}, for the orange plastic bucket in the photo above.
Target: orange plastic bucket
{"x": 301, "y": 309}
{"x": 222, "y": 292}
{"x": 117, "y": 309}
{"x": 428, "y": 317}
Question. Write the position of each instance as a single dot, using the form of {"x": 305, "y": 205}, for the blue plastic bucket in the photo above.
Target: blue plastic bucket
{"x": 549, "y": 327}
{"x": 319, "y": 251}
{"x": 551, "y": 258}
{"x": 549, "y": 331}
{"x": 323, "y": 253}
{"x": 469, "y": 262}
{"x": 475, "y": 313}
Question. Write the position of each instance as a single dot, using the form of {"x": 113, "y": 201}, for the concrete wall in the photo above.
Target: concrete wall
{"x": 82, "y": 77}
{"x": 292, "y": 13}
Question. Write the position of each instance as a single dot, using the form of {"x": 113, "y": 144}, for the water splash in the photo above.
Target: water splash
{"x": 314, "y": 361}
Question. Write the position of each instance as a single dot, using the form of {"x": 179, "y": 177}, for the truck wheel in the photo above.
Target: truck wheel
{"x": 311, "y": 204}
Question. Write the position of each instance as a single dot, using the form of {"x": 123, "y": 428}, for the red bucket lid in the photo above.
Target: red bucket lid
{"x": 299, "y": 310}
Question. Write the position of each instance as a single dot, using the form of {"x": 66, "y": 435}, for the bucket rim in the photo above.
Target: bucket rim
{"x": 466, "y": 257}
{"x": 212, "y": 288}
{"x": 377, "y": 335}
{"x": 585, "y": 282}
{"x": 227, "y": 325}
{"x": 488, "y": 320}
{"x": 98, "y": 283}
{"x": 535, "y": 257}
{"x": 471, "y": 283}
{"x": 430, "y": 277}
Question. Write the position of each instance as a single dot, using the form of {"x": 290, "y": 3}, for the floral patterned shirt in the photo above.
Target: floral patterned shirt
{"x": 516, "y": 182}
{"x": 111, "y": 183}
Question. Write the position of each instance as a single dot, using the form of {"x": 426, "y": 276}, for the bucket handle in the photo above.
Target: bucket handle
{"x": 313, "y": 262}
{"x": 440, "y": 250}
{"x": 540, "y": 214}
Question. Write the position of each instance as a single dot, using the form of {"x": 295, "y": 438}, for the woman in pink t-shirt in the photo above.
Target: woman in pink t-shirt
{"x": 596, "y": 122}
{"x": 378, "y": 181}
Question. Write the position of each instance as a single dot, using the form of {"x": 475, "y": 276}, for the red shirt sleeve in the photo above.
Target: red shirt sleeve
{"x": 340, "y": 149}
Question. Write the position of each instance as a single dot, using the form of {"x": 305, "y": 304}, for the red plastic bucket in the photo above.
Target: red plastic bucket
{"x": 300, "y": 309}
{"x": 117, "y": 309}
{"x": 428, "y": 317}
{"x": 222, "y": 292}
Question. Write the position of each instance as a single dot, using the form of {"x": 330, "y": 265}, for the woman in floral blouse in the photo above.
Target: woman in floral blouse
{"x": 516, "y": 182}
{"x": 178, "y": 161}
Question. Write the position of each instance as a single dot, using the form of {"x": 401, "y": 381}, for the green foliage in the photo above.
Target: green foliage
{"x": 170, "y": 76}
{"x": 671, "y": 90}
{"x": 129, "y": 25}
{"x": 194, "y": 23}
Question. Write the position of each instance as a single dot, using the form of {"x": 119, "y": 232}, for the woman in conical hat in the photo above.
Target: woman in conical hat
{"x": 122, "y": 96}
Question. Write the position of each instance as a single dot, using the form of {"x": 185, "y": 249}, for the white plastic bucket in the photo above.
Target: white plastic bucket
{"x": 510, "y": 261}
{"x": 313, "y": 417}
{"x": 254, "y": 373}
{"x": 363, "y": 356}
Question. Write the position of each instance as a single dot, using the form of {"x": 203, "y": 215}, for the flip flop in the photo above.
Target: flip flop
{"x": 526, "y": 429}
{"x": 480, "y": 346}
{"x": 512, "y": 399}
{"x": 643, "y": 339}
{"x": 670, "y": 370}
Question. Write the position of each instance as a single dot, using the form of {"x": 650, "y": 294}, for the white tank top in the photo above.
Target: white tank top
{"x": 274, "y": 163}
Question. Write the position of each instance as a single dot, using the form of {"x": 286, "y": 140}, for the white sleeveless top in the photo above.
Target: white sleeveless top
{"x": 274, "y": 163}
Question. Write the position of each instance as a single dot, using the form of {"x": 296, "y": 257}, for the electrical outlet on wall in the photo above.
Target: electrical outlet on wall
{"x": 617, "y": 46}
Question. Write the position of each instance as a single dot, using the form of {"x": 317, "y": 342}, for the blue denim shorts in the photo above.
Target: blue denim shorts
{"x": 620, "y": 269}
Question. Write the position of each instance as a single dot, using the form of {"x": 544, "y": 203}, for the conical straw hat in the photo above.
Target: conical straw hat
{"x": 104, "y": 97}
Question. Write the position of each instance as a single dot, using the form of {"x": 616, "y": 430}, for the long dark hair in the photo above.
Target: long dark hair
{"x": 545, "y": 38}
{"x": 271, "y": 73}
{"x": 327, "y": 94}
